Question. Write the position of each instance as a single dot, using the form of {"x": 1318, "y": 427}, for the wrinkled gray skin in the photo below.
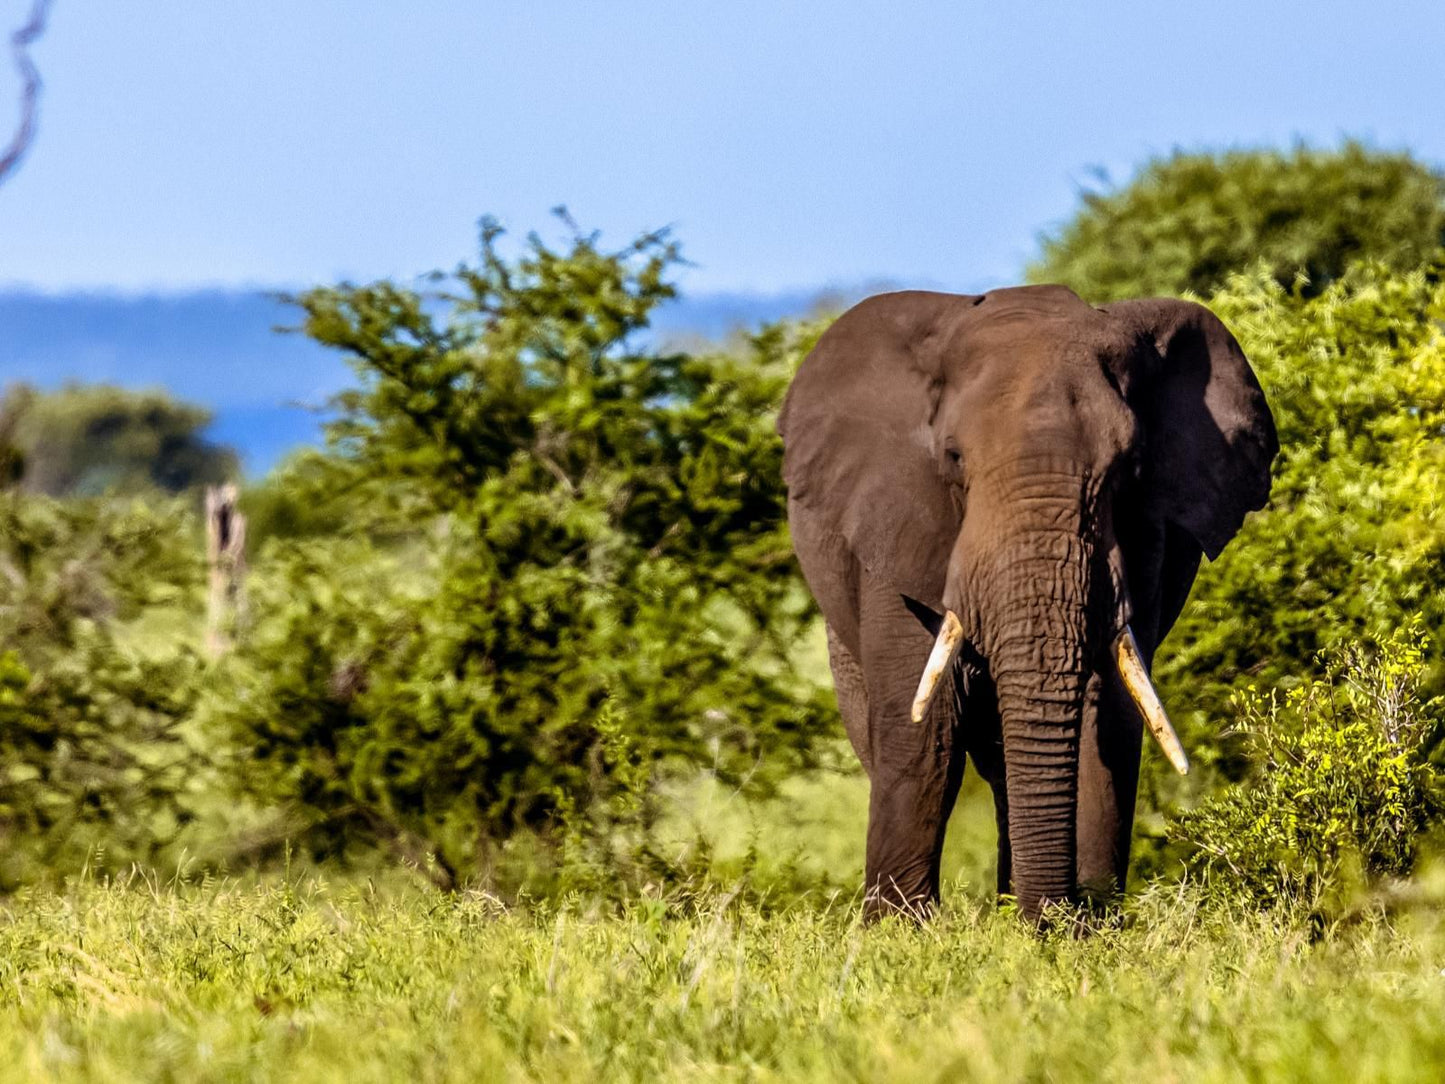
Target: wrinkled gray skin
{"x": 1050, "y": 472}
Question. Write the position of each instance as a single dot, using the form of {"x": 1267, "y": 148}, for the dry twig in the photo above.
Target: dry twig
{"x": 20, "y": 43}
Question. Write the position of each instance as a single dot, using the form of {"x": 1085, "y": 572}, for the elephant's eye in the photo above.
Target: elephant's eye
{"x": 952, "y": 461}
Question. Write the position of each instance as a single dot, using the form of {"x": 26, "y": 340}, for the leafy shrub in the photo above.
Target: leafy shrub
{"x": 608, "y": 847}
{"x": 1188, "y": 221}
{"x": 546, "y": 525}
{"x": 1341, "y": 781}
{"x": 1352, "y": 543}
{"x": 96, "y": 750}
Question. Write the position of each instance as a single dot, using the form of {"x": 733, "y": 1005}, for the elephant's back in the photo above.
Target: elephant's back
{"x": 906, "y": 327}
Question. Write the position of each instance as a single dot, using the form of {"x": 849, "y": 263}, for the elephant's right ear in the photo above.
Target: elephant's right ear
{"x": 857, "y": 429}
{"x": 1208, "y": 428}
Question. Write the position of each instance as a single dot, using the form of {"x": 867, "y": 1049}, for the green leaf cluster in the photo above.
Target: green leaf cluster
{"x": 1341, "y": 783}
{"x": 97, "y": 751}
{"x": 1185, "y": 222}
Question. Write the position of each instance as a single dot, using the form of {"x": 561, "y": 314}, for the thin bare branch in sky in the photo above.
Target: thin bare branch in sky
{"x": 20, "y": 43}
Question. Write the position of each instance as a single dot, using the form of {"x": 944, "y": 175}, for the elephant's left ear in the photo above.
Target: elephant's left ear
{"x": 1209, "y": 434}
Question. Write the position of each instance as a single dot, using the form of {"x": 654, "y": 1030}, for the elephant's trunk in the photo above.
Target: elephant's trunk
{"x": 1040, "y": 667}
{"x": 1039, "y": 618}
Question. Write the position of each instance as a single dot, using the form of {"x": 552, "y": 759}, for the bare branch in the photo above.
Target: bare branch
{"x": 20, "y": 43}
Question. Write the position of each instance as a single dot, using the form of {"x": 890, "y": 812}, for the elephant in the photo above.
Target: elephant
{"x": 1000, "y": 503}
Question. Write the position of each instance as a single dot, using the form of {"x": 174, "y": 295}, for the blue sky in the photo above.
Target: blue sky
{"x": 228, "y": 147}
{"x": 793, "y": 145}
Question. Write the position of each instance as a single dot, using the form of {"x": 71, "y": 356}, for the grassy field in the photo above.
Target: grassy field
{"x": 322, "y": 980}
{"x": 322, "y": 977}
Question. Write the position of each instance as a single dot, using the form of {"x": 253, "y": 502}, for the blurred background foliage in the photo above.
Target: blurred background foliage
{"x": 100, "y": 751}
{"x": 98, "y": 439}
{"x": 533, "y": 605}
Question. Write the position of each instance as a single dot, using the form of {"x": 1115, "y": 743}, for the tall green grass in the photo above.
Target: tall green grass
{"x": 322, "y": 980}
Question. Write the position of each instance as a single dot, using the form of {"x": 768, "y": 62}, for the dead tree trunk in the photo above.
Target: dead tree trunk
{"x": 226, "y": 556}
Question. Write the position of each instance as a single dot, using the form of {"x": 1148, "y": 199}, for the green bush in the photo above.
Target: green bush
{"x": 1352, "y": 543}
{"x": 545, "y": 525}
{"x": 1188, "y": 221}
{"x": 97, "y": 750}
{"x": 1341, "y": 783}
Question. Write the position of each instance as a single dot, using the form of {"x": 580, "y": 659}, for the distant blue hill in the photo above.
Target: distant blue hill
{"x": 220, "y": 349}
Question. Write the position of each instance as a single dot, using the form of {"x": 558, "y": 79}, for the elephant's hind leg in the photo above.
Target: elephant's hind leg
{"x": 852, "y": 696}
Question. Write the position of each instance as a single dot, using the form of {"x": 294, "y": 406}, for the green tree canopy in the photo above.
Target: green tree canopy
{"x": 1186, "y": 221}
{"x": 85, "y": 440}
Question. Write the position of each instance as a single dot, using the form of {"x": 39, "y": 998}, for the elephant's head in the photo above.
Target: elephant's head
{"x": 1030, "y": 469}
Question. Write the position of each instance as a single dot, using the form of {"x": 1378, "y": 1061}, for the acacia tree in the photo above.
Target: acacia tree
{"x": 1185, "y": 222}
{"x": 559, "y": 536}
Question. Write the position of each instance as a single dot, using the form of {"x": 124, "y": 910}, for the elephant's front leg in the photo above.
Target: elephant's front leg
{"x": 915, "y": 768}
{"x": 1109, "y": 750}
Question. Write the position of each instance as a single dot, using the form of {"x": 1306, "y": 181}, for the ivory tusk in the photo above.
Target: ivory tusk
{"x": 1141, "y": 690}
{"x": 945, "y": 650}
